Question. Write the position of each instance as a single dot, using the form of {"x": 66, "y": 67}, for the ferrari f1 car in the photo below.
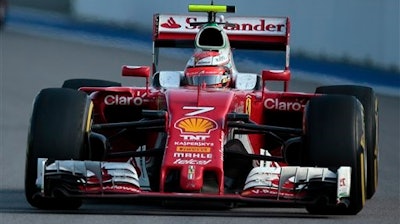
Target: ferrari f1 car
{"x": 205, "y": 133}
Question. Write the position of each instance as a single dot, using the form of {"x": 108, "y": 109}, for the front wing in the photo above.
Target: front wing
{"x": 264, "y": 185}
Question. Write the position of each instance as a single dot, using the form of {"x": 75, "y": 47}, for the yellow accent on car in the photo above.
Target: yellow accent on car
{"x": 248, "y": 105}
{"x": 362, "y": 142}
{"x": 362, "y": 173}
{"x": 196, "y": 125}
{"x": 211, "y": 8}
{"x": 89, "y": 118}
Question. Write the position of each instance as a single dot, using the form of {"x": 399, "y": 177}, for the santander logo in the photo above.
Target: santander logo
{"x": 241, "y": 25}
{"x": 171, "y": 24}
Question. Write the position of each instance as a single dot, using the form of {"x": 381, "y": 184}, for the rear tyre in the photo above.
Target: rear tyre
{"x": 78, "y": 83}
{"x": 3, "y": 13}
{"x": 368, "y": 99}
{"x": 335, "y": 137}
{"x": 58, "y": 130}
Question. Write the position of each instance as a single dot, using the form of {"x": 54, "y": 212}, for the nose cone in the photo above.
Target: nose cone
{"x": 192, "y": 178}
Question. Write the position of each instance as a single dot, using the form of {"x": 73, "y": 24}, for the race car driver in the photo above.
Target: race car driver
{"x": 210, "y": 68}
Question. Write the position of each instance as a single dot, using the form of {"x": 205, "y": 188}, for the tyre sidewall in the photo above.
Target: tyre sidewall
{"x": 368, "y": 99}
{"x": 334, "y": 137}
{"x": 58, "y": 131}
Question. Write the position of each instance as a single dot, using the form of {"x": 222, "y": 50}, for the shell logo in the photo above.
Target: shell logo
{"x": 196, "y": 125}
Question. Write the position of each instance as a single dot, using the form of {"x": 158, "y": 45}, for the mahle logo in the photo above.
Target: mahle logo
{"x": 198, "y": 125}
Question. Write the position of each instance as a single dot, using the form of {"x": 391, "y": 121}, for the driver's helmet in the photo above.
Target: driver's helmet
{"x": 209, "y": 76}
{"x": 211, "y": 68}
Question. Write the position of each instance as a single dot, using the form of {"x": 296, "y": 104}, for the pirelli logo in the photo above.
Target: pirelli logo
{"x": 193, "y": 149}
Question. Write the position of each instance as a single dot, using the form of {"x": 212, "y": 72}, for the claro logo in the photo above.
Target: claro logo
{"x": 275, "y": 104}
{"x": 123, "y": 100}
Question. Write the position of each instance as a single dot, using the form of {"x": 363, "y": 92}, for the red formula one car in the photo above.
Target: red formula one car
{"x": 205, "y": 133}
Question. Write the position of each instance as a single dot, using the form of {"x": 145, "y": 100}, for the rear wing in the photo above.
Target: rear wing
{"x": 264, "y": 33}
{"x": 256, "y": 33}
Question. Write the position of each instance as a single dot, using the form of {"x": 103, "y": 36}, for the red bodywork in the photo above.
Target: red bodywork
{"x": 196, "y": 119}
{"x": 196, "y": 124}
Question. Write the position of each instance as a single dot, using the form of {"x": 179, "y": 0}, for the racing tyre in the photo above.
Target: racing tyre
{"x": 78, "y": 83}
{"x": 368, "y": 99}
{"x": 334, "y": 137}
{"x": 58, "y": 130}
{"x": 3, "y": 13}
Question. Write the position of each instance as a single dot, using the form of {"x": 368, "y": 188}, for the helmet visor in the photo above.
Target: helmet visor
{"x": 206, "y": 79}
{"x": 210, "y": 76}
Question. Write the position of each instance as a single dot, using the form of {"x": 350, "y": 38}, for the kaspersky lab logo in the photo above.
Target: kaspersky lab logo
{"x": 196, "y": 125}
{"x": 171, "y": 24}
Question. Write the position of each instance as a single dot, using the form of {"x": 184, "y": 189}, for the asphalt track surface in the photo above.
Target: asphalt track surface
{"x": 30, "y": 63}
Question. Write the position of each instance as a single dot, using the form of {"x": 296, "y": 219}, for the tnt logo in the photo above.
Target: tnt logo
{"x": 195, "y": 137}
{"x": 171, "y": 24}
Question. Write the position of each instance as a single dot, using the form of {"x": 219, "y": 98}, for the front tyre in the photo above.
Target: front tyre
{"x": 58, "y": 130}
{"x": 78, "y": 83}
{"x": 334, "y": 137}
{"x": 368, "y": 99}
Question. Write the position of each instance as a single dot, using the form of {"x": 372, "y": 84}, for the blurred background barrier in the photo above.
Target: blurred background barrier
{"x": 362, "y": 32}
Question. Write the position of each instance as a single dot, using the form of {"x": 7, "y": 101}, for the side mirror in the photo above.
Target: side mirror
{"x": 246, "y": 81}
{"x": 136, "y": 71}
{"x": 170, "y": 79}
{"x": 277, "y": 75}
